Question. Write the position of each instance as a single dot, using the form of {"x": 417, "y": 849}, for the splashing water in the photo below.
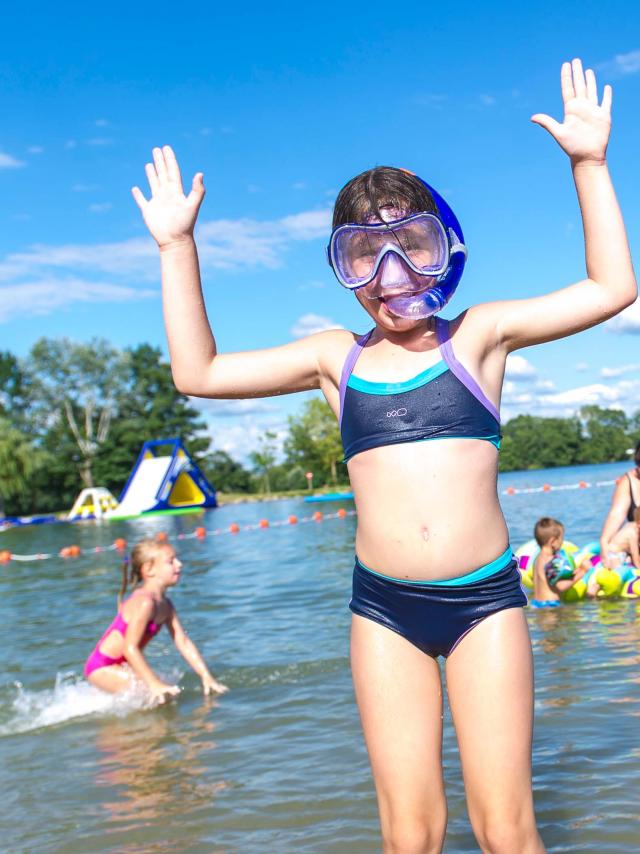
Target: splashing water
{"x": 71, "y": 697}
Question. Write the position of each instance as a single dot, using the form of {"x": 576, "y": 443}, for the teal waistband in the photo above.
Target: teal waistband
{"x": 477, "y": 574}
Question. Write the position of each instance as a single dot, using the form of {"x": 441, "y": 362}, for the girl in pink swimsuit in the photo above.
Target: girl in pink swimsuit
{"x": 118, "y": 660}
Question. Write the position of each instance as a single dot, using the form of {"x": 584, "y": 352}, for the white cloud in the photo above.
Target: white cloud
{"x": 222, "y": 244}
{"x": 35, "y": 149}
{"x": 627, "y": 321}
{"x": 299, "y": 185}
{"x": 70, "y": 143}
{"x": 101, "y": 123}
{"x": 308, "y": 324}
{"x": 45, "y": 296}
{"x": 9, "y": 162}
{"x": 545, "y": 385}
{"x": 487, "y": 100}
{"x": 100, "y": 207}
{"x": 84, "y": 188}
{"x": 622, "y": 64}
{"x": 519, "y": 369}
{"x": 99, "y": 141}
{"x": 619, "y": 371}
{"x": 233, "y": 408}
{"x": 239, "y": 440}
{"x": 582, "y": 367}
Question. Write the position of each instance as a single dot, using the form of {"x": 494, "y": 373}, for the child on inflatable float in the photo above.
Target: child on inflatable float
{"x": 554, "y": 570}
{"x": 434, "y": 574}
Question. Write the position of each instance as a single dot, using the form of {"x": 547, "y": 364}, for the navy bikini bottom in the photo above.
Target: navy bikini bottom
{"x": 435, "y": 616}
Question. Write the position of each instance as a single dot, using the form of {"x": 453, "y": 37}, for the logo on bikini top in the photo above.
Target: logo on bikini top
{"x": 396, "y": 413}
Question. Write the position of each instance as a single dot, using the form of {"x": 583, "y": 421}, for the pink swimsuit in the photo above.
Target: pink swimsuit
{"x": 99, "y": 659}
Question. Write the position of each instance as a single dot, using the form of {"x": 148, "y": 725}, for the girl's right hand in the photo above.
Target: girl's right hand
{"x": 169, "y": 215}
{"x": 161, "y": 691}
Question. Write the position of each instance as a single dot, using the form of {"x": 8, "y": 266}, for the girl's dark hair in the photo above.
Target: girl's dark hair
{"x": 385, "y": 186}
{"x": 636, "y": 455}
{"x": 143, "y": 552}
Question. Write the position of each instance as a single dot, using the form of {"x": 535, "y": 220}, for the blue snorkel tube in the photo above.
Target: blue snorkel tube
{"x": 439, "y": 294}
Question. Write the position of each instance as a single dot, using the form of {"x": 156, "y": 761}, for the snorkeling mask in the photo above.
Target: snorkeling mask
{"x": 371, "y": 256}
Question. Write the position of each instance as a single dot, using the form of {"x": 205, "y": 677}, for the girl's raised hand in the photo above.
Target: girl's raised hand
{"x": 169, "y": 215}
{"x": 584, "y": 132}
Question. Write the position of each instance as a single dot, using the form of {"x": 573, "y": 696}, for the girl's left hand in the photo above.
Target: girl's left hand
{"x": 210, "y": 684}
{"x": 584, "y": 132}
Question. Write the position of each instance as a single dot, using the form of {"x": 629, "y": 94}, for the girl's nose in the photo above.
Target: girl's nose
{"x": 393, "y": 271}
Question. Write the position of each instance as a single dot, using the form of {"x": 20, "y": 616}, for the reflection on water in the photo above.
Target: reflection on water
{"x": 278, "y": 764}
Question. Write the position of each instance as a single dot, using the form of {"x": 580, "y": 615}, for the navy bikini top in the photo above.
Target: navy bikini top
{"x": 443, "y": 402}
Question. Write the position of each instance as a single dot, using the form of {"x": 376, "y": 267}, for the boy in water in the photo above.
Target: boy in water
{"x": 552, "y": 573}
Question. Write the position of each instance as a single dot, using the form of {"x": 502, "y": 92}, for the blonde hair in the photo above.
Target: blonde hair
{"x": 143, "y": 552}
{"x": 546, "y": 529}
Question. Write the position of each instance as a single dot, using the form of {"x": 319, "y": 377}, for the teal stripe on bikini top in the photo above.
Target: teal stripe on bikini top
{"x": 422, "y": 378}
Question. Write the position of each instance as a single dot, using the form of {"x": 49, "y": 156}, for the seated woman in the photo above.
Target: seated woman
{"x": 626, "y": 498}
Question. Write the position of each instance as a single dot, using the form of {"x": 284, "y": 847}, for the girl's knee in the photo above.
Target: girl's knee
{"x": 415, "y": 835}
{"x": 500, "y": 834}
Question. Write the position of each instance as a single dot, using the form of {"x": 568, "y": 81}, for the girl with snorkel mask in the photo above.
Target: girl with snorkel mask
{"x": 434, "y": 573}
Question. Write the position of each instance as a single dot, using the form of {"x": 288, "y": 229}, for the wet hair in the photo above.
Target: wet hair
{"x": 143, "y": 552}
{"x": 546, "y": 529}
{"x": 362, "y": 198}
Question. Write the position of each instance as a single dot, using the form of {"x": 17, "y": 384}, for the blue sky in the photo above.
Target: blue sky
{"x": 280, "y": 105}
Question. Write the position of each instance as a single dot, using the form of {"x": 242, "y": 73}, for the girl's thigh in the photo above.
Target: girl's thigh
{"x": 113, "y": 679}
{"x": 490, "y": 688}
{"x": 399, "y": 694}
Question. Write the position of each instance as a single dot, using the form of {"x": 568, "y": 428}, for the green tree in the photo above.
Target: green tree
{"x": 225, "y": 473}
{"x": 264, "y": 458}
{"x": 314, "y": 442}
{"x": 75, "y": 385}
{"x": 606, "y": 434}
{"x": 529, "y": 442}
{"x": 18, "y": 461}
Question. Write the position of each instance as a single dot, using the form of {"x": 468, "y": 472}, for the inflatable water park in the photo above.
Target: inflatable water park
{"x": 164, "y": 481}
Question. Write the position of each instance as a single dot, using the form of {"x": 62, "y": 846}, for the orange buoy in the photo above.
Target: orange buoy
{"x": 120, "y": 543}
{"x": 510, "y": 490}
{"x": 342, "y": 513}
{"x": 161, "y": 537}
{"x": 5, "y": 556}
{"x": 546, "y": 487}
{"x": 74, "y": 551}
{"x": 201, "y": 533}
{"x": 293, "y": 520}
{"x": 582, "y": 485}
{"x": 234, "y": 527}
{"x": 264, "y": 523}
{"x": 317, "y": 516}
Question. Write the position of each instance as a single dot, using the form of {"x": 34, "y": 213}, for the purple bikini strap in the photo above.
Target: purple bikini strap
{"x": 459, "y": 370}
{"x": 349, "y": 363}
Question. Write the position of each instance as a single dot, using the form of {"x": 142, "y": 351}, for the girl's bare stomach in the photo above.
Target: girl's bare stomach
{"x": 428, "y": 510}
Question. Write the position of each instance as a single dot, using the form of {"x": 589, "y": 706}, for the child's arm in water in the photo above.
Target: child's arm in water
{"x": 189, "y": 651}
{"x": 197, "y": 367}
{"x": 610, "y": 285}
{"x": 140, "y": 614}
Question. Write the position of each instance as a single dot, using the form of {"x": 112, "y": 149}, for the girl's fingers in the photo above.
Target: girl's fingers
{"x": 592, "y": 86}
{"x": 152, "y": 178}
{"x": 161, "y": 166}
{"x": 607, "y": 97}
{"x": 547, "y": 123}
{"x": 579, "y": 83}
{"x": 140, "y": 200}
{"x": 197, "y": 188}
{"x": 566, "y": 82}
{"x": 173, "y": 170}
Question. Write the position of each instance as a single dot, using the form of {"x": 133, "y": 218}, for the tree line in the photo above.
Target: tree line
{"x": 74, "y": 415}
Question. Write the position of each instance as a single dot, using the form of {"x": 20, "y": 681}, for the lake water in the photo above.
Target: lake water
{"x": 278, "y": 764}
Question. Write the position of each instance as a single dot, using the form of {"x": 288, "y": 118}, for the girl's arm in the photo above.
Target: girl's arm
{"x": 140, "y": 614}
{"x": 610, "y": 285}
{"x": 189, "y": 651}
{"x": 197, "y": 367}
{"x": 634, "y": 549}
{"x": 617, "y": 515}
